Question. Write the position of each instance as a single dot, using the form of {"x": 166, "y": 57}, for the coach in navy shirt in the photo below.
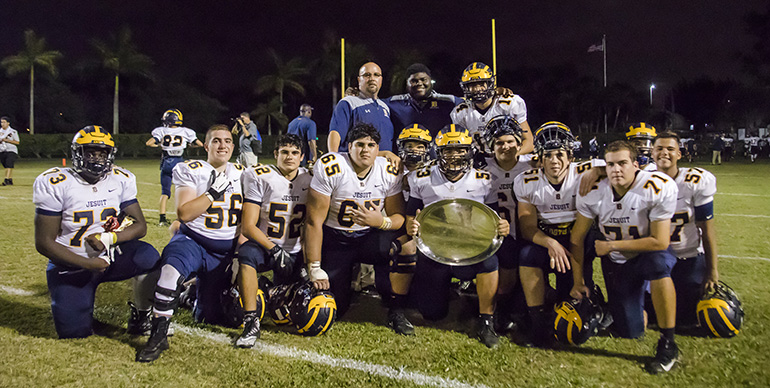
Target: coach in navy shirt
{"x": 421, "y": 105}
{"x": 304, "y": 127}
{"x": 366, "y": 108}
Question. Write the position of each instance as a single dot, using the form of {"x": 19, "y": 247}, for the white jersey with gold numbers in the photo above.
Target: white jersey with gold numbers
{"x": 469, "y": 117}
{"x": 502, "y": 182}
{"x": 430, "y": 185}
{"x": 556, "y": 205}
{"x": 652, "y": 197}
{"x": 696, "y": 188}
{"x": 83, "y": 207}
{"x": 173, "y": 141}
{"x": 221, "y": 219}
{"x": 282, "y": 203}
{"x": 334, "y": 177}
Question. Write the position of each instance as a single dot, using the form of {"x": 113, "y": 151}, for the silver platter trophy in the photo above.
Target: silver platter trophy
{"x": 458, "y": 232}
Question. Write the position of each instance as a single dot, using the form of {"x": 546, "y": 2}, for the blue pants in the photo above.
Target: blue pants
{"x": 73, "y": 289}
{"x": 626, "y": 285}
{"x": 340, "y": 250}
{"x": 166, "y": 168}
{"x": 253, "y": 255}
{"x": 431, "y": 286}
{"x": 509, "y": 252}
{"x": 688, "y": 275}
{"x": 189, "y": 257}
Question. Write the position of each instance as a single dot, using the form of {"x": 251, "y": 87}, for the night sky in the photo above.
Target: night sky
{"x": 224, "y": 43}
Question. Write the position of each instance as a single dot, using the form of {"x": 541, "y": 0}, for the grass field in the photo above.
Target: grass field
{"x": 360, "y": 351}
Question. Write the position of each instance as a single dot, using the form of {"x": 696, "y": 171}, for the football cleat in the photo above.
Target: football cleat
{"x": 666, "y": 356}
{"x": 399, "y": 323}
{"x": 139, "y": 322}
{"x": 158, "y": 341}
{"x": 486, "y": 333}
{"x": 251, "y": 331}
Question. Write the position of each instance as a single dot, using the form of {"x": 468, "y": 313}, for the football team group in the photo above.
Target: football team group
{"x": 312, "y": 222}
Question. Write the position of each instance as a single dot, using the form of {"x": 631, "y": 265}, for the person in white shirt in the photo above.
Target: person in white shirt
{"x": 9, "y": 152}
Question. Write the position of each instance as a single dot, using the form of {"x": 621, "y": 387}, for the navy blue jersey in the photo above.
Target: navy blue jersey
{"x": 353, "y": 109}
{"x": 433, "y": 115}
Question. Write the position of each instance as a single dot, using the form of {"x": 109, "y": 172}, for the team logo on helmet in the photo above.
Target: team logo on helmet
{"x": 172, "y": 117}
{"x": 93, "y": 152}
{"x": 414, "y": 133}
{"x": 578, "y": 320}
{"x": 449, "y": 139}
{"x": 553, "y": 135}
{"x": 478, "y": 72}
{"x": 721, "y": 312}
{"x": 500, "y": 126}
{"x": 312, "y": 311}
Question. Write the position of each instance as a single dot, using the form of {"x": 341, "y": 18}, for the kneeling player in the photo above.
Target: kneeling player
{"x": 209, "y": 207}
{"x": 73, "y": 205}
{"x": 634, "y": 210}
{"x": 345, "y": 201}
{"x": 546, "y": 200}
{"x": 693, "y": 230}
{"x": 454, "y": 177}
{"x": 274, "y": 200}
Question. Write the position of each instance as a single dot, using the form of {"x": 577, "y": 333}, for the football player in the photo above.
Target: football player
{"x": 274, "y": 199}
{"x": 76, "y": 229}
{"x": 454, "y": 177}
{"x": 546, "y": 212}
{"x": 345, "y": 220}
{"x": 208, "y": 195}
{"x": 482, "y": 104}
{"x": 634, "y": 210}
{"x": 693, "y": 230}
{"x": 503, "y": 135}
{"x": 641, "y": 136}
{"x": 172, "y": 138}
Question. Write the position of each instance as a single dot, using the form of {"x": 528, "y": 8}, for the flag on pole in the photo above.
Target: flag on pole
{"x": 596, "y": 47}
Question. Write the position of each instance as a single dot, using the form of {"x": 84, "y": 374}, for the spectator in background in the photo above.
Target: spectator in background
{"x": 717, "y": 146}
{"x": 250, "y": 140}
{"x": 593, "y": 148}
{"x": 9, "y": 139}
{"x": 304, "y": 127}
{"x": 728, "y": 154}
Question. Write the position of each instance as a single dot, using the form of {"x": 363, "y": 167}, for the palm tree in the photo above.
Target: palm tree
{"x": 272, "y": 112}
{"x": 285, "y": 78}
{"x": 34, "y": 53}
{"x": 122, "y": 57}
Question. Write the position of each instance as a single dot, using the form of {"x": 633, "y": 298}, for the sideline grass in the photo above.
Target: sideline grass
{"x": 33, "y": 357}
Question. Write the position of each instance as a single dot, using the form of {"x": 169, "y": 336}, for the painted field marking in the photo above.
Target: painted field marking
{"x": 743, "y": 215}
{"x": 744, "y": 257}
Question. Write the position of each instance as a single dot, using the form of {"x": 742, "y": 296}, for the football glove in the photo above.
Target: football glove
{"x": 108, "y": 239}
{"x": 315, "y": 271}
{"x": 283, "y": 262}
{"x": 219, "y": 183}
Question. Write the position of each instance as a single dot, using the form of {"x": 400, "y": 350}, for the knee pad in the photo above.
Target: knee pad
{"x": 163, "y": 304}
{"x": 403, "y": 264}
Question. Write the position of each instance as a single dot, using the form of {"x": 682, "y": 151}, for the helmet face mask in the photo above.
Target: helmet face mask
{"x": 500, "y": 126}
{"x": 413, "y": 143}
{"x": 454, "y": 150}
{"x": 642, "y": 136}
{"x": 93, "y": 153}
{"x": 478, "y": 82}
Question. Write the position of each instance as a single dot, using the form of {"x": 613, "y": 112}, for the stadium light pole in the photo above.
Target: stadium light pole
{"x": 342, "y": 66}
{"x": 652, "y": 87}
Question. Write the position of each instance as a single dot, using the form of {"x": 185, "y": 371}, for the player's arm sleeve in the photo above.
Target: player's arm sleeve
{"x": 519, "y": 109}
{"x": 47, "y": 199}
{"x": 321, "y": 182}
{"x": 252, "y": 188}
{"x": 519, "y": 191}
{"x": 157, "y": 135}
{"x": 190, "y": 136}
{"x": 664, "y": 203}
{"x": 396, "y": 185}
{"x": 128, "y": 196}
{"x": 182, "y": 176}
{"x": 587, "y": 205}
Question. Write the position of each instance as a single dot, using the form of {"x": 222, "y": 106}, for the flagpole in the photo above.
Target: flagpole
{"x": 494, "y": 49}
{"x": 342, "y": 67}
{"x": 604, "y": 51}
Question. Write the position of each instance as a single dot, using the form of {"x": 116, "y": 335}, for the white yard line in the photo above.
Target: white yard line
{"x": 743, "y": 215}
{"x": 15, "y": 291}
{"x": 744, "y": 195}
{"x": 744, "y": 257}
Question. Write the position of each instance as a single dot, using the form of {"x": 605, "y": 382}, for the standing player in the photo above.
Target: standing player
{"x": 693, "y": 230}
{"x": 503, "y": 135}
{"x": 641, "y": 137}
{"x": 274, "y": 199}
{"x": 546, "y": 211}
{"x": 172, "y": 138}
{"x": 454, "y": 177}
{"x": 72, "y": 210}
{"x": 634, "y": 210}
{"x": 208, "y": 195}
{"x": 347, "y": 195}
{"x": 753, "y": 145}
{"x": 482, "y": 104}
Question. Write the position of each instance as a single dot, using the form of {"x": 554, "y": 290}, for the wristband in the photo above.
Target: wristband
{"x": 209, "y": 196}
{"x": 386, "y": 223}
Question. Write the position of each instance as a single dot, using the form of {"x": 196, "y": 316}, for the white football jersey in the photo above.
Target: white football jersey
{"x": 334, "y": 176}
{"x": 469, "y": 117}
{"x": 221, "y": 219}
{"x": 652, "y": 197}
{"x": 696, "y": 188}
{"x": 430, "y": 185}
{"x": 753, "y": 141}
{"x": 556, "y": 209}
{"x": 650, "y": 167}
{"x": 174, "y": 140}
{"x": 282, "y": 203}
{"x": 83, "y": 207}
{"x": 502, "y": 183}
